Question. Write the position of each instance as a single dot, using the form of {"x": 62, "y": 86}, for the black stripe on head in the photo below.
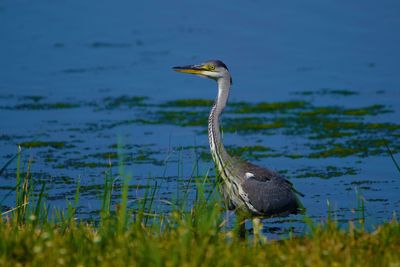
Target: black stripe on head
{"x": 219, "y": 63}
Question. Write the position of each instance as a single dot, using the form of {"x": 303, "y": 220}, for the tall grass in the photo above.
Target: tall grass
{"x": 194, "y": 235}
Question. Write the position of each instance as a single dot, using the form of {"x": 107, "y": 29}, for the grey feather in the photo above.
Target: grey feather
{"x": 272, "y": 196}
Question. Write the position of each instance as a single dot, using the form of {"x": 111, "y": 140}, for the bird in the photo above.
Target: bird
{"x": 251, "y": 190}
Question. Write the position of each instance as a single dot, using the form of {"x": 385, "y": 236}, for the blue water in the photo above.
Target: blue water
{"x": 85, "y": 51}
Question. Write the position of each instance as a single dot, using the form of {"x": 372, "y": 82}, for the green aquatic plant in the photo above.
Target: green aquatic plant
{"x": 124, "y": 101}
{"x": 326, "y": 172}
{"x": 252, "y": 124}
{"x": 328, "y": 91}
{"x": 34, "y": 98}
{"x": 81, "y": 164}
{"x": 100, "y": 44}
{"x": 35, "y": 144}
{"x": 297, "y": 118}
{"x": 335, "y": 110}
{"x": 327, "y": 131}
{"x": 42, "y": 106}
{"x": 359, "y": 147}
{"x": 180, "y": 118}
{"x": 188, "y": 103}
{"x": 267, "y": 107}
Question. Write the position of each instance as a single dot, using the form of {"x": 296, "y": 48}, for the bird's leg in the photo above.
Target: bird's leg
{"x": 242, "y": 230}
{"x": 257, "y": 231}
{"x": 242, "y": 227}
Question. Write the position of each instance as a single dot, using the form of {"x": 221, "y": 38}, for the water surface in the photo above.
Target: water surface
{"x": 315, "y": 97}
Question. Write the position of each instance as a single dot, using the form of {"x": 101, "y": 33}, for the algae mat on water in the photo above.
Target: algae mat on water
{"x": 329, "y": 131}
{"x": 321, "y": 145}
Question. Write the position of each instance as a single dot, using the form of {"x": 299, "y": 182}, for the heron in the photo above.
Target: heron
{"x": 251, "y": 190}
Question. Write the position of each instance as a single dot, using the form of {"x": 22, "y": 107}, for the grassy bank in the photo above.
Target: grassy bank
{"x": 186, "y": 245}
{"x": 197, "y": 235}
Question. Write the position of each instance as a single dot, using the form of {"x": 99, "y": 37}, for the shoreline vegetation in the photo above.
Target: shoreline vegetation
{"x": 32, "y": 234}
{"x": 184, "y": 243}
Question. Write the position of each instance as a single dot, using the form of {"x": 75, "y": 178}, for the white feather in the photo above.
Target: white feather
{"x": 248, "y": 175}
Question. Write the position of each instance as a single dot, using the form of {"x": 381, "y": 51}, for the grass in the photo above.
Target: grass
{"x": 185, "y": 243}
{"x": 197, "y": 234}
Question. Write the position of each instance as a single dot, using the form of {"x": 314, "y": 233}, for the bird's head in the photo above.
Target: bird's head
{"x": 213, "y": 69}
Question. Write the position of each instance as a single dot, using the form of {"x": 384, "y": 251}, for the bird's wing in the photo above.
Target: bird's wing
{"x": 264, "y": 175}
{"x": 271, "y": 197}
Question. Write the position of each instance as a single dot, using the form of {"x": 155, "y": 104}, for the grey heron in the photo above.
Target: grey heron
{"x": 247, "y": 188}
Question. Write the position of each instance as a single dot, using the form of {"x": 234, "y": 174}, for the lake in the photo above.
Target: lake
{"x": 315, "y": 96}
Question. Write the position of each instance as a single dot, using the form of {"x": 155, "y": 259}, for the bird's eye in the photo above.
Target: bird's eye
{"x": 211, "y": 67}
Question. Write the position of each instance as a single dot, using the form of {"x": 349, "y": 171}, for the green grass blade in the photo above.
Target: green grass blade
{"x": 8, "y": 163}
{"x": 392, "y": 156}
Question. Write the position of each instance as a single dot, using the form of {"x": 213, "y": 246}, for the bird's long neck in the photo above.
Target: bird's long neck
{"x": 218, "y": 151}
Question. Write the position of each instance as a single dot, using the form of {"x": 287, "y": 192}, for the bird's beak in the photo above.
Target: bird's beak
{"x": 193, "y": 69}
